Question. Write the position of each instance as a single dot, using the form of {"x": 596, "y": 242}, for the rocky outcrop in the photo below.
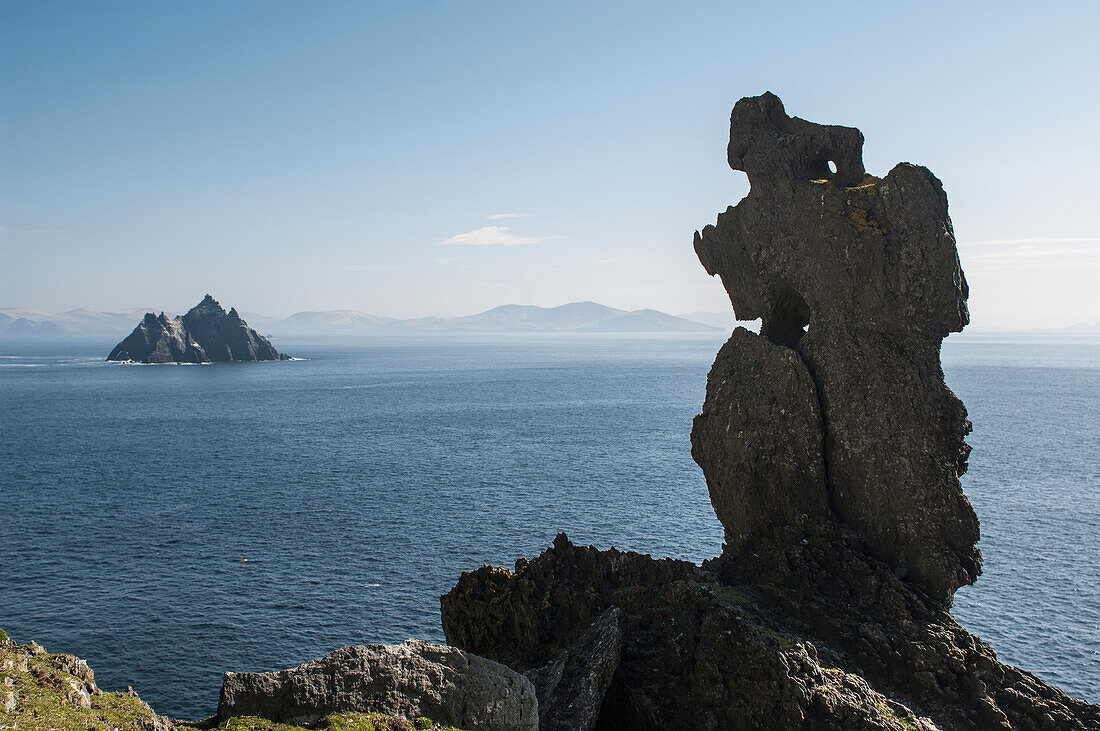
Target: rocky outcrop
{"x": 859, "y": 278}
{"x": 832, "y": 451}
{"x": 571, "y": 687}
{"x": 414, "y": 679}
{"x": 207, "y": 333}
{"x": 43, "y": 690}
{"x": 767, "y": 648}
{"x": 695, "y": 654}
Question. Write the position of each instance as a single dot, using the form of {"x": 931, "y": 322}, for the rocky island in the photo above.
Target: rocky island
{"x": 832, "y": 451}
{"x": 206, "y": 334}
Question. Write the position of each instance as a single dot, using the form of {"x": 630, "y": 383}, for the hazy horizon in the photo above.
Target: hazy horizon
{"x": 441, "y": 159}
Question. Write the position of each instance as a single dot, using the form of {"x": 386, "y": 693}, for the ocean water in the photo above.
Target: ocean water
{"x": 169, "y": 523}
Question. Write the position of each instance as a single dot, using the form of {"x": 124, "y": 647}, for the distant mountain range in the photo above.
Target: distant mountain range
{"x": 572, "y": 317}
{"x": 15, "y": 322}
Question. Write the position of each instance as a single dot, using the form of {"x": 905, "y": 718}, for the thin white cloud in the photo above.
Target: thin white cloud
{"x": 32, "y": 231}
{"x": 493, "y": 236}
{"x": 1035, "y": 256}
{"x": 1041, "y": 240}
{"x": 372, "y": 267}
{"x": 612, "y": 261}
{"x": 447, "y": 259}
{"x": 657, "y": 289}
{"x": 499, "y": 216}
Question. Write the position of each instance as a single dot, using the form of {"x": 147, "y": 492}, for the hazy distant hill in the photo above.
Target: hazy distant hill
{"x": 16, "y": 322}
{"x": 332, "y": 321}
{"x": 572, "y": 317}
{"x": 723, "y": 320}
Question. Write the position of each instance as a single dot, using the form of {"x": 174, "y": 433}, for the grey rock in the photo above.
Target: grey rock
{"x": 759, "y": 442}
{"x": 859, "y": 277}
{"x": 572, "y": 686}
{"x": 207, "y": 333}
{"x": 832, "y": 456}
{"x": 413, "y": 679}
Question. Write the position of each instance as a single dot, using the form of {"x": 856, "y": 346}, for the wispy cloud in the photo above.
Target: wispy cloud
{"x": 1040, "y": 240}
{"x": 612, "y": 261}
{"x": 447, "y": 259}
{"x": 32, "y": 231}
{"x": 493, "y": 236}
{"x": 658, "y": 289}
{"x": 372, "y": 267}
{"x": 1018, "y": 255}
{"x": 499, "y": 216}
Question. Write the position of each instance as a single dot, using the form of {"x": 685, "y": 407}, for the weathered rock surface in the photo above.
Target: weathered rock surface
{"x": 760, "y": 442}
{"x": 869, "y": 265}
{"x": 207, "y": 333}
{"x": 832, "y": 456}
{"x": 413, "y": 679}
{"x": 832, "y": 640}
{"x": 571, "y": 687}
{"x": 694, "y": 654}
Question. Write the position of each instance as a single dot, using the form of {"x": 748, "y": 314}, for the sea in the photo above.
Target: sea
{"x": 169, "y": 523}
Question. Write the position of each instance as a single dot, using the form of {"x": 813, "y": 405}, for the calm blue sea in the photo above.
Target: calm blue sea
{"x": 171, "y": 522}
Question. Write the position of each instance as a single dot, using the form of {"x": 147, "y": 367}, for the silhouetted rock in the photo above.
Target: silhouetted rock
{"x": 413, "y": 679}
{"x": 832, "y": 456}
{"x": 869, "y": 266}
{"x": 572, "y": 686}
{"x": 207, "y": 333}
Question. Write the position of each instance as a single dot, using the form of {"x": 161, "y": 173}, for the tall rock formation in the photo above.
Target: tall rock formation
{"x": 207, "y": 333}
{"x": 857, "y": 281}
{"x": 832, "y": 450}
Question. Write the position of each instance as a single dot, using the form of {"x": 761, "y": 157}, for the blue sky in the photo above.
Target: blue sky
{"x": 412, "y": 158}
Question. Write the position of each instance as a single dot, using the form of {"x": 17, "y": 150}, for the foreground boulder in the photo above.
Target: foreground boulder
{"x": 694, "y": 654}
{"x": 206, "y": 334}
{"x": 832, "y": 450}
{"x": 835, "y": 641}
{"x": 414, "y": 679}
{"x": 572, "y": 686}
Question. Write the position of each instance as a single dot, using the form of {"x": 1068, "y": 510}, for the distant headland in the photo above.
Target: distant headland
{"x": 206, "y": 334}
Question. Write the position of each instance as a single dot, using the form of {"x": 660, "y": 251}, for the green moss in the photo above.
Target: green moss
{"x": 40, "y": 697}
{"x": 338, "y": 722}
{"x": 905, "y": 719}
{"x": 3, "y": 636}
{"x": 731, "y": 594}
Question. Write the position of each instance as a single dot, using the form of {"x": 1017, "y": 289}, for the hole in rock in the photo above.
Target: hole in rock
{"x": 789, "y": 316}
{"x": 820, "y": 167}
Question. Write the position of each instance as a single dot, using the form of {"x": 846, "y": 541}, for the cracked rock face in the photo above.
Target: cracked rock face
{"x": 837, "y": 413}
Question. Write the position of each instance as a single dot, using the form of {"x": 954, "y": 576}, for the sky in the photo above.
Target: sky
{"x": 447, "y": 156}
